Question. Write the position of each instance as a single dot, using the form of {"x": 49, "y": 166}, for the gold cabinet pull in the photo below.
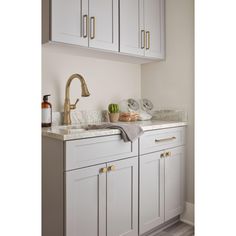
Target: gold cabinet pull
{"x": 168, "y": 154}
{"x": 143, "y": 41}
{"x": 111, "y": 168}
{"x": 85, "y": 26}
{"x": 103, "y": 170}
{"x": 162, "y": 155}
{"x": 164, "y": 139}
{"x": 92, "y": 27}
{"x": 147, "y": 40}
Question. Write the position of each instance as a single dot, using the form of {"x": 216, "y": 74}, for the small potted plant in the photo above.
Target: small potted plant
{"x": 113, "y": 112}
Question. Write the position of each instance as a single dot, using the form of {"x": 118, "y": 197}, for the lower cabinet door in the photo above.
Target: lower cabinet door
{"x": 122, "y": 198}
{"x": 85, "y": 202}
{"x": 151, "y": 192}
{"x": 174, "y": 182}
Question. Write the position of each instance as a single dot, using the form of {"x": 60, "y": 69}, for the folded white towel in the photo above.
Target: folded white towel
{"x": 129, "y": 132}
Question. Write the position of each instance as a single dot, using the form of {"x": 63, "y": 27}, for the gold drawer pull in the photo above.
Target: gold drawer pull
{"x": 103, "y": 170}
{"x": 111, "y": 168}
{"x": 164, "y": 139}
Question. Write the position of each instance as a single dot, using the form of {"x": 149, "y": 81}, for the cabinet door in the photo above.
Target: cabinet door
{"x": 103, "y": 24}
{"x": 122, "y": 198}
{"x": 69, "y": 21}
{"x": 174, "y": 183}
{"x": 132, "y": 34}
{"x": 151, "y": 195}
{"x": 85, "y": 203}
{"x": 154, "y": 27}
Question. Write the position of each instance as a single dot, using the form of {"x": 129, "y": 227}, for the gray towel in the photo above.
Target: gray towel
{"x": 129, "y": 132}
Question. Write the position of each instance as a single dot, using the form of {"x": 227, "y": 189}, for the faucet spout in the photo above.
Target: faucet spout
{"x": 67, "y": 105}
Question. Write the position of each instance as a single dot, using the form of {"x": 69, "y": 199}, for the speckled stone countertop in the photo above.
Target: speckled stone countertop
{"x": 77, "y": 132}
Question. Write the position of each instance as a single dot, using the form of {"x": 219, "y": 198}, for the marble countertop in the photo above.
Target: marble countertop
{"x": 65, "y": 133}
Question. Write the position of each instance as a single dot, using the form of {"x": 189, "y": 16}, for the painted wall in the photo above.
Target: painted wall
{"x": 170, "y": 84}
{"x": 108, "y": 81}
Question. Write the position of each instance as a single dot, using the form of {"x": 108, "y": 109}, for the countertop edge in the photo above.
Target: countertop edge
{"x": 108, "y": 132}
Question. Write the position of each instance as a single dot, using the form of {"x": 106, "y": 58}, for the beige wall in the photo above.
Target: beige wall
{"x": 108, "y": 81}
{"x": 170, "y": 84}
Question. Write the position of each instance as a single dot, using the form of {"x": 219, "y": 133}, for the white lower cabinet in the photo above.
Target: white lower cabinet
{"x": 85, "y": 202}
{"x": 174, "y": 182}
{"x": 151, "y": 202}
{"x": 161, "y": 190}
{"x": 103, "y": 199}
{"x": 103, "y": 186}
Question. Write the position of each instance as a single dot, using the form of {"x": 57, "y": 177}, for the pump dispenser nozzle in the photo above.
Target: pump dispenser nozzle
{"x": 45, "y": 97}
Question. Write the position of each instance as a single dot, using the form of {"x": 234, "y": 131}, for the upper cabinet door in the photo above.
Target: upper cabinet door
{"x": 174, "y": 183}
{"x": 103, "y": 24}
{"x": 154, "y": 19}
{"x": 122, "y": 198}
{"x": 70, "y": 21}
{"x": 132, "y": 32}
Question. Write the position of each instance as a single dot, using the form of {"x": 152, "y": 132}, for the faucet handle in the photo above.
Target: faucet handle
{"x": 73, "y": 106}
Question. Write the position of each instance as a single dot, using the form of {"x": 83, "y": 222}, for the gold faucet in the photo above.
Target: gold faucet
{"x": 67, "y": 106}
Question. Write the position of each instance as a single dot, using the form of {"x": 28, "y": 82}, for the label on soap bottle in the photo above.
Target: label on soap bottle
{"x": 46, "y": 115}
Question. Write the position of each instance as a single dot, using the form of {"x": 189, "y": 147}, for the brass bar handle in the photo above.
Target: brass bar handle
{"x": 103, "y": 170}
{"x": 143, "y": 41}
{"x": 73, "y": 106}
{"x": 85, "y": 26}
{"x": 92, "y": 27}
{"x": 111, "y": 168}
{"x": 147, "y": 40}
{"x": 164, "y": 139}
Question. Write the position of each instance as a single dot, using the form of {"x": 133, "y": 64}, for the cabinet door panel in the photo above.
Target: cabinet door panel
{"x": 122, "y": 198}
{"x": 154, "y": 24}
{"x": 151, "y": 196}
{"x": 174, "y": 183}
{"x": 67, "y": 21}
{"x": 85, "y": 202}
{"x": 131, "y": 24}
{"x": 103, "y": 24}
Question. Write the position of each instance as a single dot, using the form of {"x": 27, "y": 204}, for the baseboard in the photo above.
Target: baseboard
{"x": 188, "y": 215}
{"x": 161, "y": 227}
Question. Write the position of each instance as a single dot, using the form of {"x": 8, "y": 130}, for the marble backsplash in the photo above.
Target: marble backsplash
{"x": 96, "y": 116}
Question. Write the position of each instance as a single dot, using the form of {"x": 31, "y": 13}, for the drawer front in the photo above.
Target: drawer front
{"x": 157, "y": 140}
{"x": 87, "y": 152}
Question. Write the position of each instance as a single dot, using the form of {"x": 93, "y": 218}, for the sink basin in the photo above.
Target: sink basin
{"x": 72, "y": 128}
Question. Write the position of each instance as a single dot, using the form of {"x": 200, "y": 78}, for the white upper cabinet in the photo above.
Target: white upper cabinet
{"x": 132, "y": 33}
{"x": 133, "y": 27}
{"x": 154, "y": 28}
{"x": 90, "y": 23}
{"x": 103, "y": 24}
{"x": 67, "y": 21}
{"x": 142, "y": 28}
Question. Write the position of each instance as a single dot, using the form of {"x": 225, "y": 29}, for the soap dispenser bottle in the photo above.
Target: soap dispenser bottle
{"x": 46, "y": 112}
